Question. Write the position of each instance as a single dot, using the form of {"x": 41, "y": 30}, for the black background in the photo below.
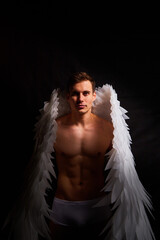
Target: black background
{"x": 41, "y": 44}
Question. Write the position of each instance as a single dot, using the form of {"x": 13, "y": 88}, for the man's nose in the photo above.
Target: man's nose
{"x": 80, "y": 97}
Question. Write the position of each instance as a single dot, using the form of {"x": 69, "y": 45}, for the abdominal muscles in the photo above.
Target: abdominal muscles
{"x": 80, "y": 178}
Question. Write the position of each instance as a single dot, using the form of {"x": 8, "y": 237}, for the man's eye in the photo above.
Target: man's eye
{"x": 74, "y": 93}
{"x": 85, "y": 93}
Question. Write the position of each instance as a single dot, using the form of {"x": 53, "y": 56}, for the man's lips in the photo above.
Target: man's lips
{"x": 81, "y": 106}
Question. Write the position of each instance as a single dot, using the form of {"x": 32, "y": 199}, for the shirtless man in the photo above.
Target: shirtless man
{"x": 82, "y": 141}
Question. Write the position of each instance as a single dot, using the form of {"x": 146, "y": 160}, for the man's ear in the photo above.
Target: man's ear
{"x": 94, "y": 95}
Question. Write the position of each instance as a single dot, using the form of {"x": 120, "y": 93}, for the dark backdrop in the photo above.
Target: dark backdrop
{"x": 41, "y": 44}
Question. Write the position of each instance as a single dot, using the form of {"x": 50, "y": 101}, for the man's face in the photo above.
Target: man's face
{"x": 81, "y": 97}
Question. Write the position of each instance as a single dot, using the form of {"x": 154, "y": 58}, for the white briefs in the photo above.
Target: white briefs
{"x": 78, "y": 213}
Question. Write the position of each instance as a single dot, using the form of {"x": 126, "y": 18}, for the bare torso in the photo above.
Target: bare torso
{"x": 80, "y": 157}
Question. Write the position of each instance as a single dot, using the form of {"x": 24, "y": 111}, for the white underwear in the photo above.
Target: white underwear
{"x": 78, "y": 213}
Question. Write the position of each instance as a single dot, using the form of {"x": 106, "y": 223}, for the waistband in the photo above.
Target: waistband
{"x": 83, "y": 202}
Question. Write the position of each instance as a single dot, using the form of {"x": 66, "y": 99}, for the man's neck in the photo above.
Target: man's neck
{"x": 81, "y": 119}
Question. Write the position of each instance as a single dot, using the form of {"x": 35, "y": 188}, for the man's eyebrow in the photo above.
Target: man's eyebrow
{"x": 76, "y": 91}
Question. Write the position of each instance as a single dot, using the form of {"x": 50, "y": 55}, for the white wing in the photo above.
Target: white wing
{"x": 128, "y": 197}
{"x": 28, "y": 217}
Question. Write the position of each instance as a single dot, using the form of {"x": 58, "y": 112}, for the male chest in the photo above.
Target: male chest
{"x": 87, "y": 143}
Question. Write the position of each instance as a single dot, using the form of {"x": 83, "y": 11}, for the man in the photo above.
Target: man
{"x": 82, "y": 141}
{"x": 98, "y": 194}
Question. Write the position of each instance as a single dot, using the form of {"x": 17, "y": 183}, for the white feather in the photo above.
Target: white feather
{"x": 129, "y": 220}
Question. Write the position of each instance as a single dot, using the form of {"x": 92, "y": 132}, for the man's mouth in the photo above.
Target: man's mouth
{"x": 80, "y": 106}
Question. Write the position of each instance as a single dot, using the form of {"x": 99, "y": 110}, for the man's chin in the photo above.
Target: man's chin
{"x": 83, "y": 111}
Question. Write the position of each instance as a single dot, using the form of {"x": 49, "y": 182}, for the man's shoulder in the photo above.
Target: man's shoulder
{"x": 62, "y": 119}
{"x": 105, "y": 122}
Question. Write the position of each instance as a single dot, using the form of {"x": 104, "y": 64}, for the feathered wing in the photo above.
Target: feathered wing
{"x": 28, "y": 218}
{"x": 129, "y": 199}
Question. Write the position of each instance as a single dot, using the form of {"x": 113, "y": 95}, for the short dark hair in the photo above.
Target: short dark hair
{"x": 79, "y": 77}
